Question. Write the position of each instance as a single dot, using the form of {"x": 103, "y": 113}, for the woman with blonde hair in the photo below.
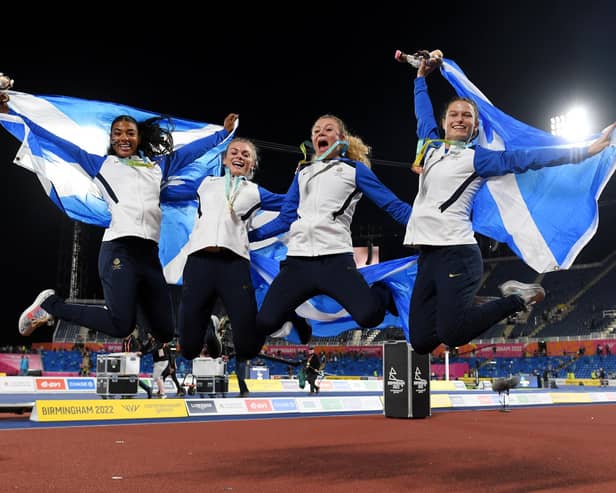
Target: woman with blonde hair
{"x": 317, "y": 212}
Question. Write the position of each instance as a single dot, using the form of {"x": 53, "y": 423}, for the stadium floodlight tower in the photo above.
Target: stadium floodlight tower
{"x": 573, "y": 125}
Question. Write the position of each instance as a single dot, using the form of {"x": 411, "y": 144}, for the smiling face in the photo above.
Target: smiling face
{"x": 240, "y": 158}
{"x": 124, "y": 138}
{"x": 325, "y": 132}
{"x": 460, "y": 122}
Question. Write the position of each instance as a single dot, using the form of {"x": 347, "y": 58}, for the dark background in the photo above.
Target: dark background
{"x": 280, "y": 69}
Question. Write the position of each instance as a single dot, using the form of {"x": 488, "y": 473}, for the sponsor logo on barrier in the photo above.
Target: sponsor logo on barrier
{"x": 231, "y": 406}
{"x": 488, "y": 400}
{"x": 201, "y": 407}
{"x": 163, "y": 408}
{"x": 395, "y": 384}
{"x": 80, "y": 384}
{"x": 332, "y": 404}
{"x": 50, "y": 384}
{"x": 259, "y": 405}
{"x": 310, "y": 404}
{"x": 81, "y": 410}
{"x": 284, "y": 405}
{"x": 352, "y": 403}
{"x": 131, "y": 408}
{"x": 341, "y": 385}
{"x": 357, "y": 385}
{"x": 419, "y": 383}
{"x": 326, "y": 385}
{"x": 289, "y": 384}
{"x": 16, "y": 384}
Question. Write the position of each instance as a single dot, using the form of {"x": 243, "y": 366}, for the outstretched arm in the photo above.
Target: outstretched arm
{"x": 603, "y": 141}
{"x": 270, "y": 201}
{"x": 427, "y": 126}
{"x": 189, "y": 153}
{"x": 498, "y": 163}
{"x": 90, "y": 163}
{"x": 382, "y": 196}
{"x": 282, "y": 223}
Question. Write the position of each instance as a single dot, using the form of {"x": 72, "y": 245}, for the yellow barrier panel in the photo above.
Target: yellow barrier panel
{"x": 589, "y": 382}
{"x": 568, "y": 398}
{"x": 83, "y": 410}
{"x": 267, "y": 385}
{"x": 442, "y": 385}
{"x": 440, "y": 400}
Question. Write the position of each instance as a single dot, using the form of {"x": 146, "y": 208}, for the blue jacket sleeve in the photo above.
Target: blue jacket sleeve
{"x": 382, "y": 196}
{"x": 282, "y": 223}
{"x": 427, "y": 126}
{"x": 497, "y": 163}
{"x": 191, "y": 152}
{"x": 270, "y": 201}
{"x": 90, "y": 163}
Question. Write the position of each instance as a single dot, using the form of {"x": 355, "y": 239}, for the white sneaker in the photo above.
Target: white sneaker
{"x": 283, "y": 331}
{"x": 530, "y": 293}
{"x": 34, "y": 316}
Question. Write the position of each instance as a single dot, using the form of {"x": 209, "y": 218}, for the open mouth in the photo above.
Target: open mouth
{"x": 322, "y": 145}
{"x": 124, "y": 148}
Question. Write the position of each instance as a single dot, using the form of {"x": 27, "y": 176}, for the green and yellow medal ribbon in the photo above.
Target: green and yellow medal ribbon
{"x": 137, "y": 162}
{"x": 424, "y": 144}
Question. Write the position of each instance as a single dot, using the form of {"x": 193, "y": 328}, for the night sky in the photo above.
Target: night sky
{"x": 280, "y": 70}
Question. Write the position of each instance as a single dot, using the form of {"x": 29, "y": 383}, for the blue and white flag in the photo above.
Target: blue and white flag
{"x": 327, "y": 316}
{"x": 86, "y": 123}
{"x": 545, "y": 216}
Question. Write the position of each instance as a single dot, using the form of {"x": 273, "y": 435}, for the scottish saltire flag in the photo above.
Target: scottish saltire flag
{"x": 545, "y": 216}
{"x": 327, "y": 317}
{"x": 86, "y": 123}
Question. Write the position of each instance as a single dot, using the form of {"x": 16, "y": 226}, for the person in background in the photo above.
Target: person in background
{"x": 228, "y": 351}
{"x": 171, "y": 369}
{"x": 241, "y": 371}
{"x": 160, "y": 359}
{"x": 450, "y": 267}
{"x": 86, "y": 363}
{"x": 132, "y": 344}
{"x": 24, "y": 365}
{"x": 313, "y": 370}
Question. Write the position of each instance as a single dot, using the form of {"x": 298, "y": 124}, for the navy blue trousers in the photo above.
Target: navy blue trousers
{"x": 301, "y": 278}
{"x": 206, "y": 277}
{"x": 131, "y": 275}
{"x": 442, "y": 304}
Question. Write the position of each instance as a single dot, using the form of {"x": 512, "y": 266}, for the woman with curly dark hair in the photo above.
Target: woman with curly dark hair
{"x": 140, "y": 156}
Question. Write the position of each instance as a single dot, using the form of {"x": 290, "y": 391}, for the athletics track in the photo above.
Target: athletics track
{"x": 551, "y": 440}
